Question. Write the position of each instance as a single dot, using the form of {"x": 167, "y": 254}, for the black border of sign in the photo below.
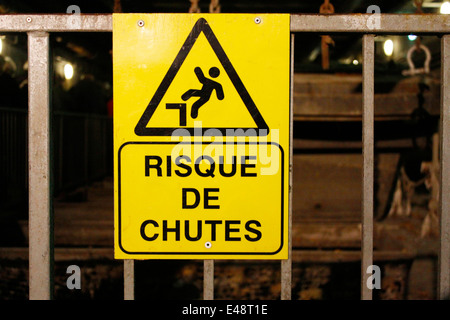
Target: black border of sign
{"x": 197, "y": 253}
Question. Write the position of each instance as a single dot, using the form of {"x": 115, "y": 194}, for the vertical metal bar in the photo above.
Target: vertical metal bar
{"x": 368, "y": 162}
{"x": 128, "y": 279}
{"x": 40, "y": 217}
{"x": 86, "y": 153}
{"x": 435, "y": 168}
{"x": 8, "y": 141}
{"x": 286, "y": 265}
{"x": 104, "y": 129}
{"x": 444, "y": 198}
{"x": 60, "y": 152}
{"x": 208, "y": 279}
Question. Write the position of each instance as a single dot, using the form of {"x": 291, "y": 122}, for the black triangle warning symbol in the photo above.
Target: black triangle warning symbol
{"x": 201, "y": 25}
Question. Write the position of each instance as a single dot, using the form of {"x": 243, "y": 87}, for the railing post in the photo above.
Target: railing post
{"x": 444, "y": 197}
{"x": 128, "y": 279}
{"x": 40, "y": 211}
{"x": 368, "y": 162}
{"x": 208, "y": 279}
{"x": 286, "y": 265}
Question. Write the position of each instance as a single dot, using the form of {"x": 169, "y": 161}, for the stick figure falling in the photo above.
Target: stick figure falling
{"x": 206, "y": 91}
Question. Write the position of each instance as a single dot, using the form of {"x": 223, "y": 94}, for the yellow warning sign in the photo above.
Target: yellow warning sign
{"x": 201, "y": 136}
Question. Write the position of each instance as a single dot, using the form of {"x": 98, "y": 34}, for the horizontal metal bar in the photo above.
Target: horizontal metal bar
{"x": 65, "y": 254}
{"x": 56, "y": 22}
{"x": 364, "y": 23}
{"x": 357, "y": 23}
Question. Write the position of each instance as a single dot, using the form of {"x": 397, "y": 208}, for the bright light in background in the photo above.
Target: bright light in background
{"x": 68, "y": 71}
{"x": 412, "y": 37}
{"x": 355, "y": 62}
{"x": 388, "y": 47}
{"x": 445, "y": 8}
{"x": 1, "y": 45}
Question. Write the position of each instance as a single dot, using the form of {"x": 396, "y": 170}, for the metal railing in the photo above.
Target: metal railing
{"x": 13, "y": 156}
{"x": 82, "y": 149}
{"x": 38, "y": 28}
{"x": 82, "y": 152}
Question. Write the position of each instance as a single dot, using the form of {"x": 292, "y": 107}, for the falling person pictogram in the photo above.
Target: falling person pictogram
{"x": 206, "y": 91}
